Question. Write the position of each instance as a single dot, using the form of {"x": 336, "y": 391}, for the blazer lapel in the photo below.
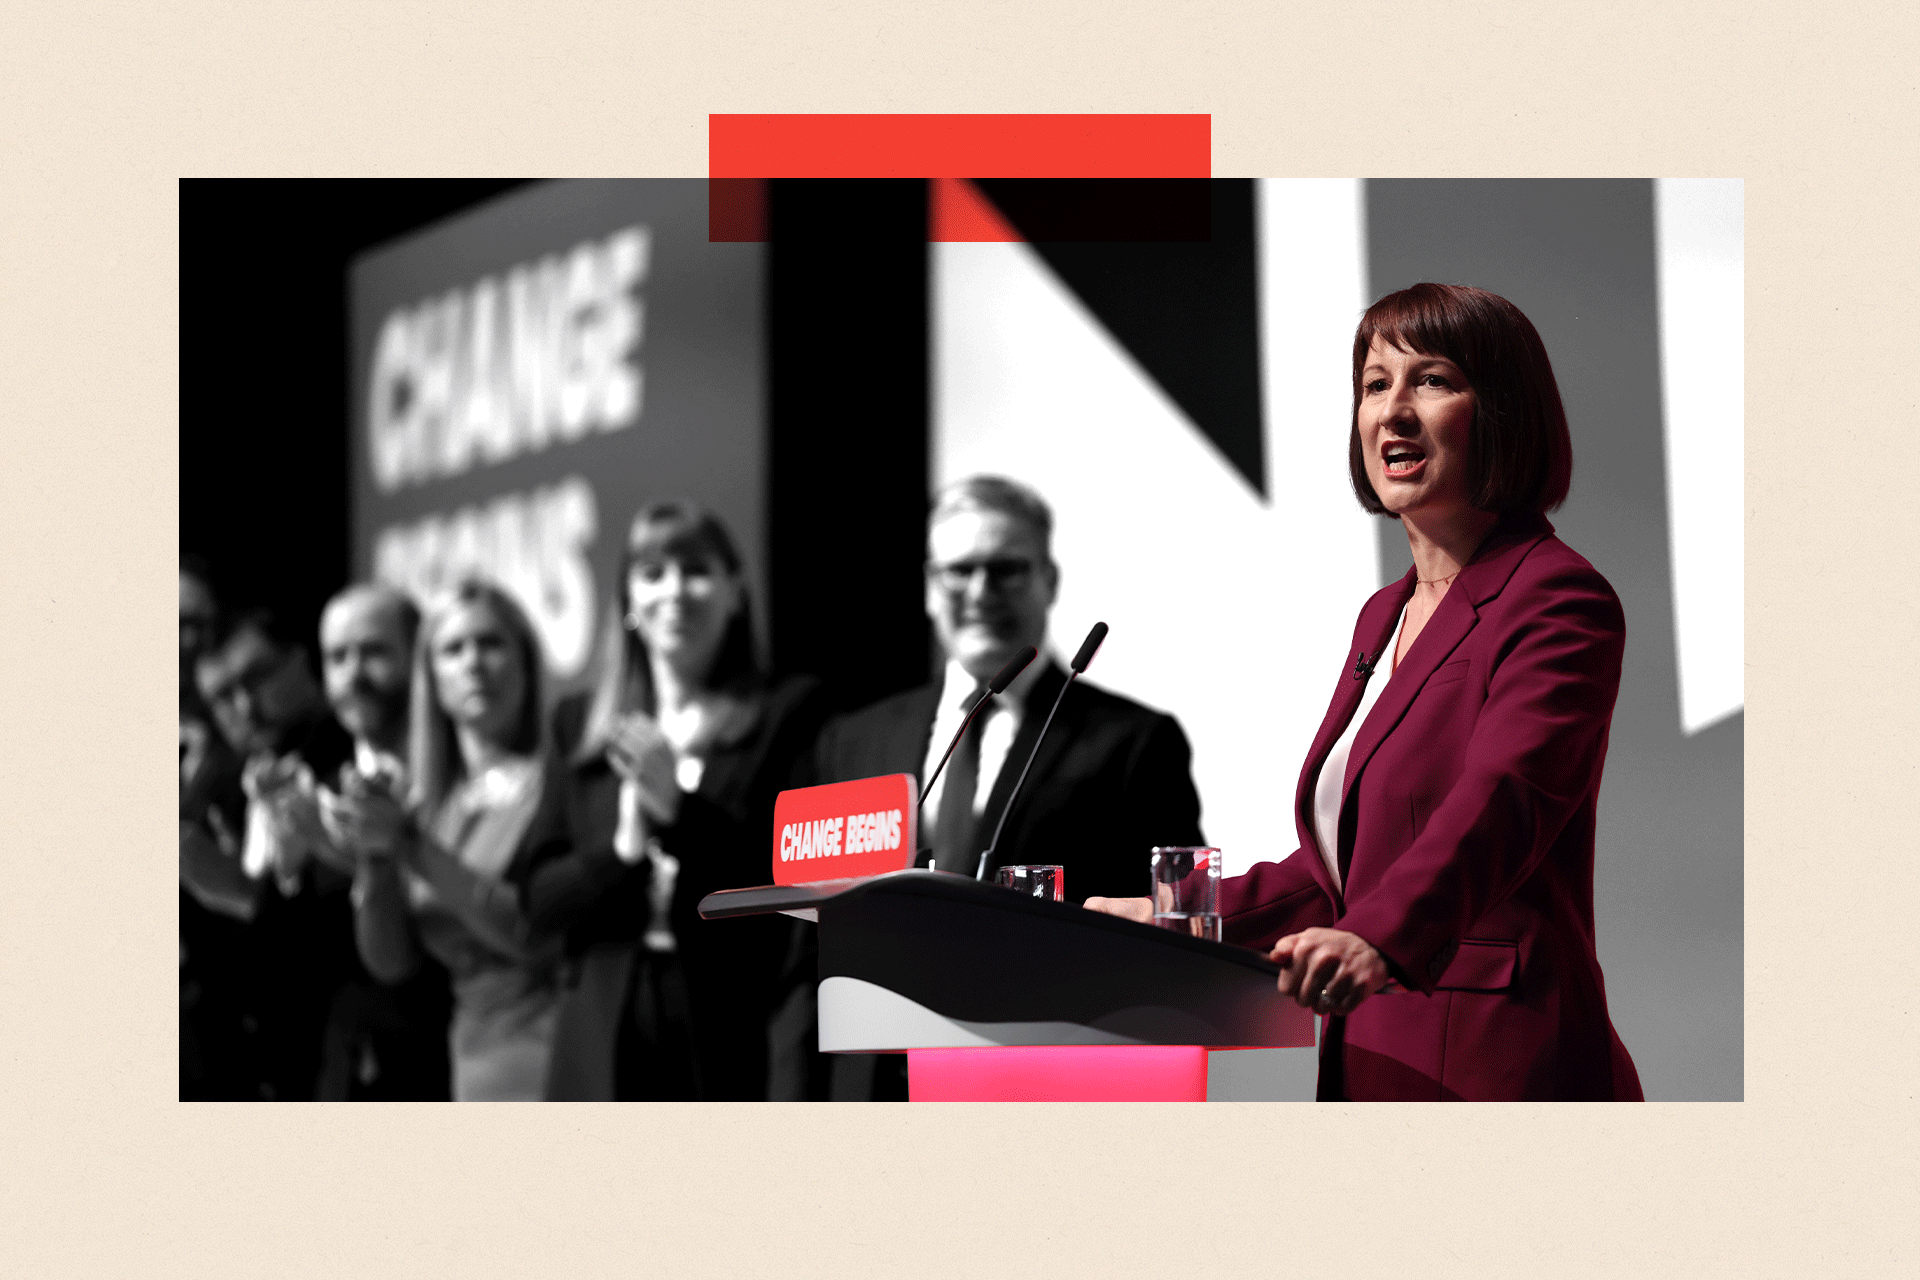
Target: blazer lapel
{"x": 1032, "y": 718}
{"x": 1479, "y": 582}
{"x": 1376, "y": 626}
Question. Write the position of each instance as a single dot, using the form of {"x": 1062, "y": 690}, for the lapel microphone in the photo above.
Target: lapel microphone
{"x": 1088, "y": 648}
{"x": 1364, "y": 667}
{"x": 1001, "y": 679}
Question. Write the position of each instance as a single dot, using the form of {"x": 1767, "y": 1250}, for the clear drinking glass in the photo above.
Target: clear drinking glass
{"x": 1186, "y": 890}
{"x": 1034, "y": 882}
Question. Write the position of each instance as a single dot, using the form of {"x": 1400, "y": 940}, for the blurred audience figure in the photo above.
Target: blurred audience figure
{"x": 265, "y": 932}
{"x": 433, "y": 868}
{"x": 674, "y": 763}
{"x": 208, "y": 768}
{"x": 207, "y": 764}
{"x": 383, "y": 1042}
{"x": 367, "y": 638}
{"x": 199, "y": 629}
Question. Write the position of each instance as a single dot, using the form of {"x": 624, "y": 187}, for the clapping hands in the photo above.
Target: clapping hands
{"x": 641, "y": 755}
{"x": 365, "y": 819}
{"x": 283, "y": 788}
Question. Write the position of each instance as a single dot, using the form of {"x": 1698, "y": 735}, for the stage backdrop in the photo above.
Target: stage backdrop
{"x": 527, "y": 374}
{"x": 1220, "y": 538}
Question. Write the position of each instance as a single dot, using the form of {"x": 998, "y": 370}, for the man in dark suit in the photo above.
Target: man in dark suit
{"x": 275, "y": 1002}
{"x": 1110, "y": 782}
{"x": 266, "y": 935}
{"x": 383, "y": 1043}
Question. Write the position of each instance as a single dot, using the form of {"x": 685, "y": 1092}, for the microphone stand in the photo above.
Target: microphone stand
{"x": 1079, "y": 664}
{"x": 1001, "y": 679}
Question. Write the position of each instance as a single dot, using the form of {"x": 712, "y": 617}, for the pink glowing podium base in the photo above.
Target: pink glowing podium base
{"x": 998, "y": 997}
{"x": 1059, "y": 1073}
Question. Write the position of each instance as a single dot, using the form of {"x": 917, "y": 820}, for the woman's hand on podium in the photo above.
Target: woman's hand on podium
{"x": 1329, "y": 971}
{"x": 1136, "y": 909}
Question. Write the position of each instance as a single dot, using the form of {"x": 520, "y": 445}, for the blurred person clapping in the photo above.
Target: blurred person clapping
{"x": 266, "y": 938}
{"x": 675, "y": 763}
{"x": 384, "y": 1041}
{"x": 433, "y": 865}
{"x": 270, "y": 714}
{"x": 367, "y": 635}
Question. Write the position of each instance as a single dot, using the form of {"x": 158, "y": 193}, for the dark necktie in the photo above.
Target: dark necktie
{"x": 953, "y": 835}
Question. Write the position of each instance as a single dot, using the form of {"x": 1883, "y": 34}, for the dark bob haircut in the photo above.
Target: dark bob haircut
{"x": 1519, "y": 456}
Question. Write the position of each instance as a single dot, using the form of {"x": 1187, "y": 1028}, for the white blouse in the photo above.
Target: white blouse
{"x": 1333, "y": 770}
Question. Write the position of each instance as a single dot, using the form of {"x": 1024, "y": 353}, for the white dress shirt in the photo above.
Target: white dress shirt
{"x": 1333, "y": 771}
{"x": 1003, "y": 718}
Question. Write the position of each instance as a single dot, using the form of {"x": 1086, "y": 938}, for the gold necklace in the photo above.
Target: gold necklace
{"x": 1434, "y": 582}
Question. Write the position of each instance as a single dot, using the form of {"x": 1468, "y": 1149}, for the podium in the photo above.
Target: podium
{"x": 996, "y": 996}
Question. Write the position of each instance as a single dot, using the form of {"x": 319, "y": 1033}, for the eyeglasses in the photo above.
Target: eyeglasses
{"x": 1010, "y": 574}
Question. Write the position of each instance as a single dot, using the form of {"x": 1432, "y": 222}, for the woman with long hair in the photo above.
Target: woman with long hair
{"x": 674, "y": 763}
{"x": 434, "y": 871}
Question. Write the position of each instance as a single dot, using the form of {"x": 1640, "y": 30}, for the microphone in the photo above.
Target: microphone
{"x": 1088, "y": 647}
{"x": 1001, "y": 679}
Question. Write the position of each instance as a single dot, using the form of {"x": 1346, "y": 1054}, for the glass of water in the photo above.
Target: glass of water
{"x": 1034, "y": 881}
{"x": 1186, "y": 890}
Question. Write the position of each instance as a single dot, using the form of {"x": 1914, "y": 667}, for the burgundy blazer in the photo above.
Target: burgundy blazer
{"x": 1466, "y": 838}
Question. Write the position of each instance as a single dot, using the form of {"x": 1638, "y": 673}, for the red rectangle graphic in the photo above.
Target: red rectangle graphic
{"x": 960, "y": 146}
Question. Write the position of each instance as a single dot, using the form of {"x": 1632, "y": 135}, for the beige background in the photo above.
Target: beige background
{"x": 103, "y": 107}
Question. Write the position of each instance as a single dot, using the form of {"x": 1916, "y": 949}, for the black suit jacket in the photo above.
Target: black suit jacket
{"x": 629, "y": 1015}
{"x": 1111, "y": 781}
{"x": 280, "y": 1006}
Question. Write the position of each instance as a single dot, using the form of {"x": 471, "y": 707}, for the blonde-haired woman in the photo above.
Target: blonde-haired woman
{"x": 434, "y": 871}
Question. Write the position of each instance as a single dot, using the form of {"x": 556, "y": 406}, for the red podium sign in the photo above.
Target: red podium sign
{"x": 844, "y": 829}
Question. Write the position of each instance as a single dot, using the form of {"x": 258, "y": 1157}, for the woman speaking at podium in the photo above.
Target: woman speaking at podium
{"x": 1439, "y": 911}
